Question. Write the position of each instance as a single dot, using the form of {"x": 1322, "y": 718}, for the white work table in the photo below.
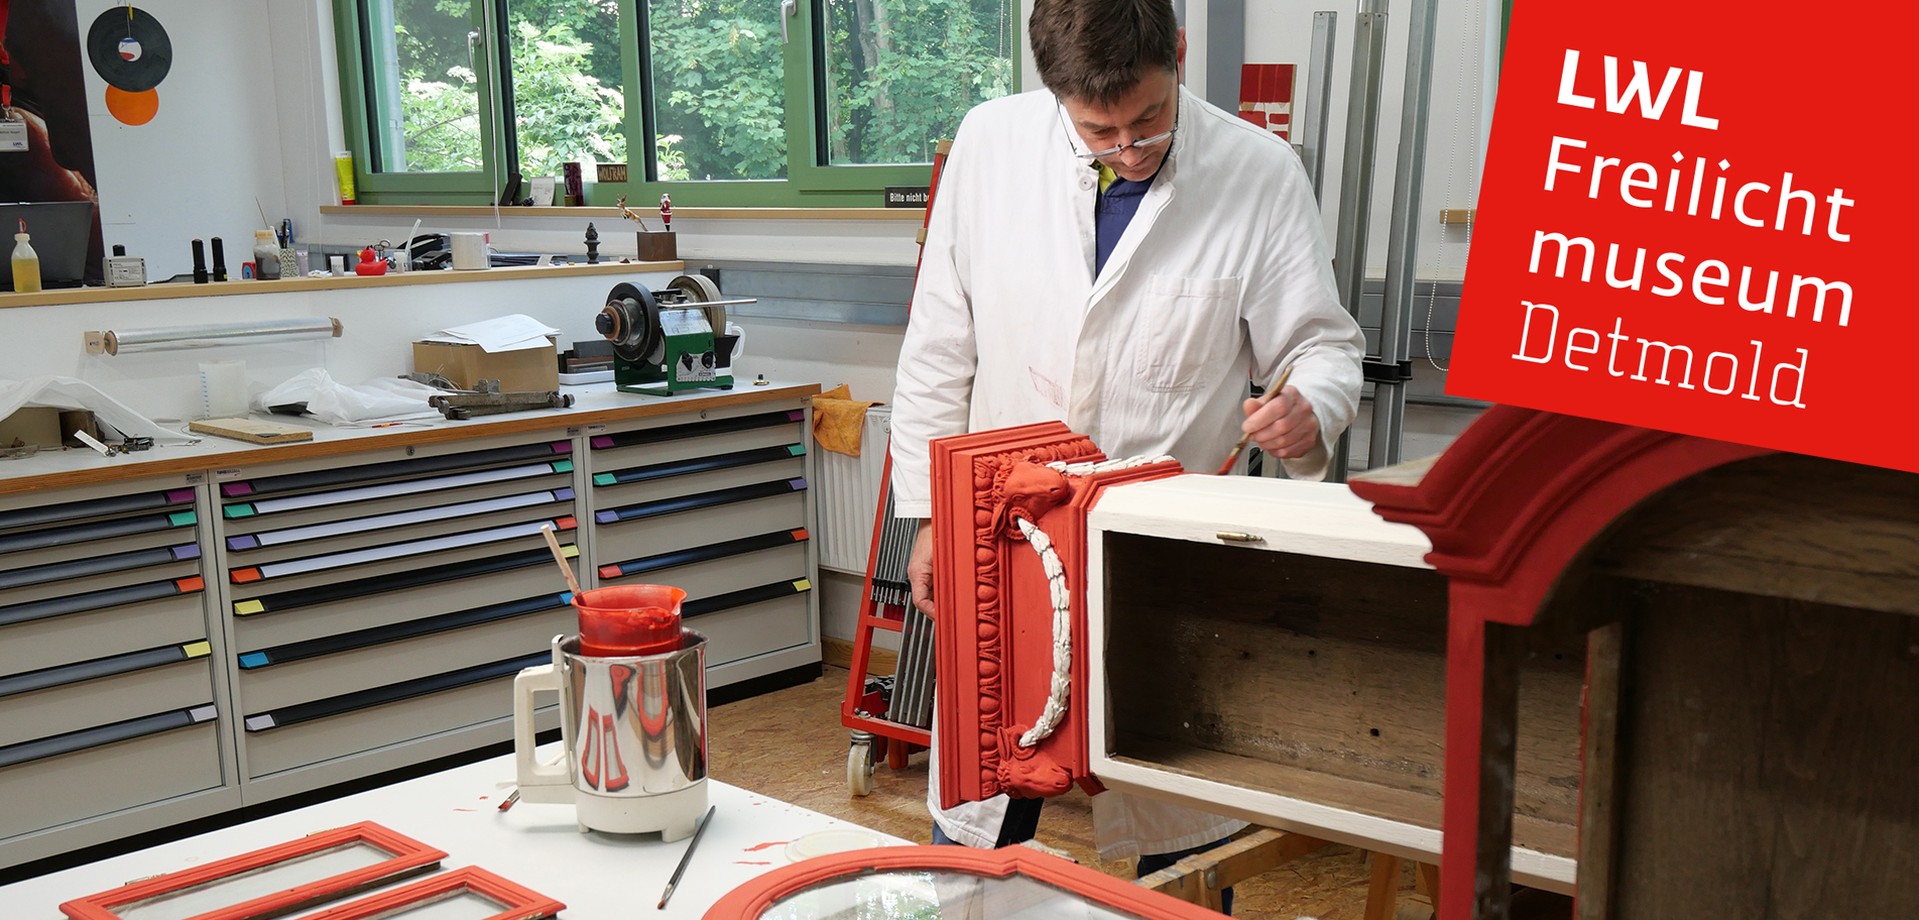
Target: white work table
{"x": 539, "y": 846}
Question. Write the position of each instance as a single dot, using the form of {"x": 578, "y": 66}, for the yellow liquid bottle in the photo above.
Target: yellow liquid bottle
{"x": 26, "y": 265}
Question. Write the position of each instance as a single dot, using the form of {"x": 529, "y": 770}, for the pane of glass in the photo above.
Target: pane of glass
{"x": 719, "y": 101}
{"x": 456, "y": 905}
{"x": 901, "y": 73}
{"x": 423, "y": 96}
{"x": 910, "y": 895}
{"x": 567, "y": 99}
{"x": 261, "y": 882}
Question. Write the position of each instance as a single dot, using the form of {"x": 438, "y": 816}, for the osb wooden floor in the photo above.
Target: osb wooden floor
{"x": 790, "y": 745}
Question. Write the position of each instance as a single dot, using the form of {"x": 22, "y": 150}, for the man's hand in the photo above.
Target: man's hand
{"x": 1284, "y": 426}
{"x": 919, "y": 569}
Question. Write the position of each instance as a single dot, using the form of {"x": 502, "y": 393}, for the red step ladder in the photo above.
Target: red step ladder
{"x": 864, "y": 711}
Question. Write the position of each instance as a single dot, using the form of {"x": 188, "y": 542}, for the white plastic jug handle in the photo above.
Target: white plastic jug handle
{"x": 739, "y": 343}
{"x": 531, "y": 773}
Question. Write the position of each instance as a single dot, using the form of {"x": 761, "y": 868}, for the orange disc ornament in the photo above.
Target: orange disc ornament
{"x": 133, "y": 108}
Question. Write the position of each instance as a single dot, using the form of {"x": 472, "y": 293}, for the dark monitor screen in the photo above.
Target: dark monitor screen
{"x": 61, "y": 231}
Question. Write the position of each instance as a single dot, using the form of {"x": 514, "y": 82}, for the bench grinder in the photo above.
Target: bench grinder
{"x": 669, "y": 341}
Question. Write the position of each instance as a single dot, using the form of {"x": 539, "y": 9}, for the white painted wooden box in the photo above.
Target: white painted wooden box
{"x": 1271, "y": 649}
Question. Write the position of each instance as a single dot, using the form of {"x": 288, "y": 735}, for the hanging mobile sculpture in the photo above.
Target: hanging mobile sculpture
{"x": 131, "y": 51}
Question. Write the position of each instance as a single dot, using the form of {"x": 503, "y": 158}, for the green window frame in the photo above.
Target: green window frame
{"x": 808, "y": 182}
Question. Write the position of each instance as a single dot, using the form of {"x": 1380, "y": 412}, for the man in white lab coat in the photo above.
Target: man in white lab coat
{"x": 1117, "y": 254}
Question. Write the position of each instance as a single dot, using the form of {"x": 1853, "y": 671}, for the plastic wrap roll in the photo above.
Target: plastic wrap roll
{"x": 209, "y": 334}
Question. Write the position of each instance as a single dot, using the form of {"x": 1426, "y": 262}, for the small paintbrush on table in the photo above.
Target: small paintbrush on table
{"x": 686, "y": 857}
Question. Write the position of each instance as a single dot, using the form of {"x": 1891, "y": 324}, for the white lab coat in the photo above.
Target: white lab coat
{"x": 1223, "y": 272}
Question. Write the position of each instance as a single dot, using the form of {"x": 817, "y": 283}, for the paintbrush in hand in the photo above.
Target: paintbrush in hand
{"x": 1264, "y": 398}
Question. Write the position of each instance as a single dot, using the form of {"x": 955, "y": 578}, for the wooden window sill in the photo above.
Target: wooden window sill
{"x": 181, "y": 291}
{"x": 915, "y": 215}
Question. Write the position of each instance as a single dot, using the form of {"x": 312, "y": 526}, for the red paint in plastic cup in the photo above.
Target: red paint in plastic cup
{"x": 629, "y": 620}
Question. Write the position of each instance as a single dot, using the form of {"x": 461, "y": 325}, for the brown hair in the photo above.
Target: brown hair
{"x": 1097, "y": 50}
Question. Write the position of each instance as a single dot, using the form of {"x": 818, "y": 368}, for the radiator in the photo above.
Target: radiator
{"x": 849, "y": 495}
{"x": 912, "y": 700}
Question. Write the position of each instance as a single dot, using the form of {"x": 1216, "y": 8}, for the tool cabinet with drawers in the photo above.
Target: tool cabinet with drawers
{"x": 247, "y": 624}
{"x": 382, "y": 604}
{"x": 113, "y": 717}
{"x": 718, "y": 505}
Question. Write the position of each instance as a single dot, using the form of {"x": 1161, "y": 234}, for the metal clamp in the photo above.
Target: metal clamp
{"x": 1377, "y": 371}
{"x": 490, "y": 401}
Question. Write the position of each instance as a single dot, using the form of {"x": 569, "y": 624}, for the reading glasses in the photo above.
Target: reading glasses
{"x": 1141, "y": 144}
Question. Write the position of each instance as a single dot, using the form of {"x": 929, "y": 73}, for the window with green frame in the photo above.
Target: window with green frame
{"x": 721, "y": 103}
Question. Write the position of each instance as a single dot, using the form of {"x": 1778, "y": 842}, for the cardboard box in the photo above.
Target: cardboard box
{"x": 37, "y": 425}
{"x": 519, "y": 371}
{"x": 657, "y": 246}
{"x": 72, "y": 420}
{"x": 48, "y": 427}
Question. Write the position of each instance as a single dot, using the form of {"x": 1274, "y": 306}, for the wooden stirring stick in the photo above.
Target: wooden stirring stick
{"x": 1264, "y": 398}
{"x": 559, "y": 556}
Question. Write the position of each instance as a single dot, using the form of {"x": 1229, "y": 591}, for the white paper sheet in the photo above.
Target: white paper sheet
{"x": 507, "y": 333}
{"x": 69, "y": 393}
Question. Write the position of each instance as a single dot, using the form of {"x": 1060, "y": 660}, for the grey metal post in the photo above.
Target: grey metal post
{"x": 1402, "y": 241}
{"x": 1310, "y": 112}
{"x": 1356, "y": 176}
{"x": 1318, "y": 97}
{"x": 1225, "y": 51}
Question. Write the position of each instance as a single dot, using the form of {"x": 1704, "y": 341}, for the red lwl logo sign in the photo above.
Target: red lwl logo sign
{"x": 1650, "y": 249}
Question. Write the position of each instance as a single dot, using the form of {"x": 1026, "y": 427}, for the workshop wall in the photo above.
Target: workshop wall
{"x": 211, "y": 151}
{"x": 1464, "y": 78}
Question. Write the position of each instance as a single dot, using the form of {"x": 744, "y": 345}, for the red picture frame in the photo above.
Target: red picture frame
{"x": 755, "y": 897}
{"x": 518, "y": 902}
{"x": 409, "y": 856}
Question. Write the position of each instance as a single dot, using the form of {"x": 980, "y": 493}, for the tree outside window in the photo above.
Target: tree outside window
{"x": 899, "y": 74}
{"x": 724, "y": 93}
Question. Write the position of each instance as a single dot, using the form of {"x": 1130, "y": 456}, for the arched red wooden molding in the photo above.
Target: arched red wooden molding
{"x": 1508, "y": 507}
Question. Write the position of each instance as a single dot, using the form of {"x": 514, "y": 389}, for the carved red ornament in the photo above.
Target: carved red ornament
{"x": 994, "y": 647}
